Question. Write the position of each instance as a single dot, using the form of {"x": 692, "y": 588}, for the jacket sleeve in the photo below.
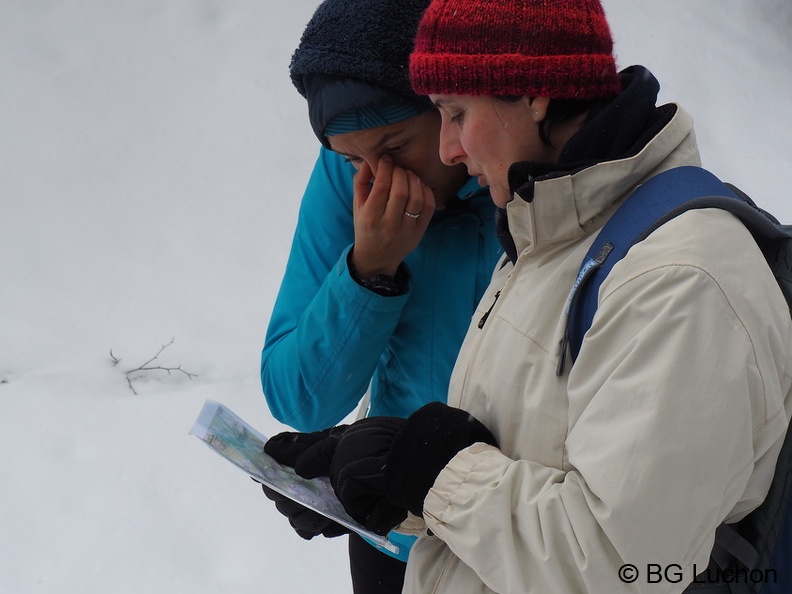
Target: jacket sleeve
{"x": 326, "y": 332}
{"x": 662, "y": 444}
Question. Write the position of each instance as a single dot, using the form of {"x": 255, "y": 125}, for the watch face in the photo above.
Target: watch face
{"x": 383, "y": 285}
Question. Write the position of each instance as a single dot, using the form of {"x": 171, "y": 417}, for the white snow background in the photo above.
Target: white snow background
{"x": 152, "y": 158}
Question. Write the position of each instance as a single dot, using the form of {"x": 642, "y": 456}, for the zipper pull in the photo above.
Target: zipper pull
{"x": 483, "y": 319}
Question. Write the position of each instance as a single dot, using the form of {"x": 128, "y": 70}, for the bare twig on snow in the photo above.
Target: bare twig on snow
{"x": 147, "y": 366}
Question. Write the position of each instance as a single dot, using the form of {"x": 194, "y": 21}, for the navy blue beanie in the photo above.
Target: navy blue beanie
{"x": 356, "y": 53}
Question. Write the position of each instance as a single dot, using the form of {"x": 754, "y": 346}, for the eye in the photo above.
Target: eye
{"x": 356, "y": 162}
{"x": 396, "y": 149}
{"x": 457, "y": 117}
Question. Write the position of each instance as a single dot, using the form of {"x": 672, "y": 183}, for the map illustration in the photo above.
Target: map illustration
{"x": 243, "y": 446}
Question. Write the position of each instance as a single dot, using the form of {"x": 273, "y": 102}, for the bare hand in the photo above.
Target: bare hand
{"x": 384, "y": 234}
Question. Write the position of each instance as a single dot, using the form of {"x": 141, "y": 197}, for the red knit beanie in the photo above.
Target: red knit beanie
{"x": 541, "y": 48}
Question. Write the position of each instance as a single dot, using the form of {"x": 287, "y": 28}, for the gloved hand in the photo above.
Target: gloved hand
{"x": 306, "y": 522}
{"x": 381, "y": 467}
{"x": 303, "y": 451}
{"x": 287, "y": 448}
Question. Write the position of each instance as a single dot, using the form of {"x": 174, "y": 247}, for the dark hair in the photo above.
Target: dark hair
{"x": 562, "y": 110}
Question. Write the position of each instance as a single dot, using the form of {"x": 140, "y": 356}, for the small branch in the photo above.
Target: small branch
{"x": 155, "y": 357}
{"x": 160, "y": 368}
{"x": 147, "y": 366}
{"x": 115, "y": 359}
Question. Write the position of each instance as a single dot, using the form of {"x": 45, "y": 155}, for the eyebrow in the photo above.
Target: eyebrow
{"x": 380, "y": 143}
{"x": 387, "y": 139}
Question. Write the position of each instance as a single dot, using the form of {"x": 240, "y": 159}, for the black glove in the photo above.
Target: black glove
{"x": 304, "y": 451}
{"x": 306, "y": 522}
{"x": 380, "y": 467}
{"x": 357, "y": 473}
{"x": 417, "y": 452}
{"x": 287, "y": 448}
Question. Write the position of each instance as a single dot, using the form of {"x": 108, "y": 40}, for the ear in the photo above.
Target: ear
{"x": 538, "y": 107}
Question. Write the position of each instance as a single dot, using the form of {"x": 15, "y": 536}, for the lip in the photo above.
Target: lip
{"x": 482, "y": 181}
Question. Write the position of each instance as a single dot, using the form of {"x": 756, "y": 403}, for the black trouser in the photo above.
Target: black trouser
{"x": 374, "y": 572}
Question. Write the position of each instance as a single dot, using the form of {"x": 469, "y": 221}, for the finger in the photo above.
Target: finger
{"x": 272, "y": 495}
{"x": 334, "y": 529}
{"x": 362, "y": 185}
{"x": 287, "y": 447}
{"x": 399, "y": 193}
{"x": 289, "y": 508}
{"x": 369, "y": 506}
{"x": 378, "y": 197}
{"x": 286, "y": 506}
{"x": 385, "y": 517}
{"x": 317, "y": 459}
{"x": 414, "y": 205}
{"x": 308, "y": 523}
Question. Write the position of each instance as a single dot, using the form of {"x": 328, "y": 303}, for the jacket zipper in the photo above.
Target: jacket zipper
{"x": 483, "y": 319}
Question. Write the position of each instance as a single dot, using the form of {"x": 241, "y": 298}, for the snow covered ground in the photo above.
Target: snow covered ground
{"x": 152, "y": 157}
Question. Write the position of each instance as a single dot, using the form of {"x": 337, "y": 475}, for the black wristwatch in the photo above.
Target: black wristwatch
{"x": 383, "y": 284}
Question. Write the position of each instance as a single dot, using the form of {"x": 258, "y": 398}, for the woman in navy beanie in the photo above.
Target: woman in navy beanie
{"x": 384, "y": 272}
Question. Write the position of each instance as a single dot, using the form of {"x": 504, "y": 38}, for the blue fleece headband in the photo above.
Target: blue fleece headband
{"x": 364, "y": 118}
{"x": 337, "y": 105}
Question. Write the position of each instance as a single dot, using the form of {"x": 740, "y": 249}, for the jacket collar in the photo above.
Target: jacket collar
{"x": 567, "y": 200}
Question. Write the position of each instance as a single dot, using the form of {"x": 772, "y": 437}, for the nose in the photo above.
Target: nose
{"x": 451, "y": 152}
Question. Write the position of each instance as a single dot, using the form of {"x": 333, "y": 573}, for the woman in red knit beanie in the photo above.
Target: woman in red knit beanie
{"x": 536, "y": 477}
{"x": 522, "y": 53}
{"x": 602, "y": 471}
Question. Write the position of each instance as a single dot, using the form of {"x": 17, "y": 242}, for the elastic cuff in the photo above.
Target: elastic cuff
{"x": 432, "y": 435}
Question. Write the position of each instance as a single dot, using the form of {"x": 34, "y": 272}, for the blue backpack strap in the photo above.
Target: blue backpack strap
{"x": 658, "y": 200}
{"x": 762, "y": 541}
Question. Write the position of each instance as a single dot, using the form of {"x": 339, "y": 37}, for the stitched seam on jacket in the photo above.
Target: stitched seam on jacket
{"x": 725, "y": 298}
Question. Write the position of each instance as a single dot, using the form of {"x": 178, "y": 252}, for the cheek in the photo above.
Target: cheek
{"x": 476, "y": 143}
{"x": 419, "y": 161}
{"x": 490, "y": 152}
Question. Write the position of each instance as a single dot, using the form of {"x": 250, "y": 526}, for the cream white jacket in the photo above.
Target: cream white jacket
{"x": 669, "y": 422}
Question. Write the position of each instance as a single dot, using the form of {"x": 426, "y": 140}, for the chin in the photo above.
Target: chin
{"x": 500, "y": 197}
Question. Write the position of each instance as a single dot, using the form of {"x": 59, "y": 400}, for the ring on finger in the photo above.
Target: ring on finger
{"x": 411, "y": 215}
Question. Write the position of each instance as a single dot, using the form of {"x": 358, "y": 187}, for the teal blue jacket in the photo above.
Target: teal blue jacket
{"x": 329, "y": 337}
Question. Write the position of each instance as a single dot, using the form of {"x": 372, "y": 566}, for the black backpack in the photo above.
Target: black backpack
{"x": 754, "y": 555}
